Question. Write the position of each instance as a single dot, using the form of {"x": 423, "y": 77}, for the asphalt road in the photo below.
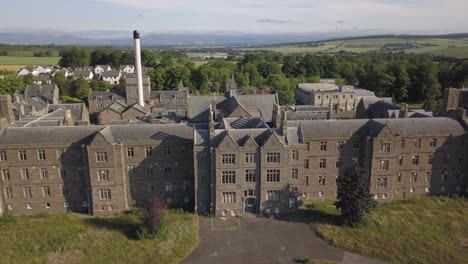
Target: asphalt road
{"x": 255, "y": 240}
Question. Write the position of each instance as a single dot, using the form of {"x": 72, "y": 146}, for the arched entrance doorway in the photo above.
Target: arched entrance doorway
{"x": 251, "y": 205}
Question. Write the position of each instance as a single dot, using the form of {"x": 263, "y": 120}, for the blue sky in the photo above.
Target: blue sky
{"x": 251, "y": 16}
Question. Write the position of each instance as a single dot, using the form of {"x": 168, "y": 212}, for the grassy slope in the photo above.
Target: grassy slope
{"x": 71, "y": 238}
{"x": 420, "y": 230}
{"x": 449, "y": 47}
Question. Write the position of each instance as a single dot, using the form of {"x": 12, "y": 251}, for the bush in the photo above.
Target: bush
{"x": 7, "y": 218}
{"x": 152, "y": 217}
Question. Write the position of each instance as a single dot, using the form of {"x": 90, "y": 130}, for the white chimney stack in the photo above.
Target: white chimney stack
{"x": 136, "y": 39}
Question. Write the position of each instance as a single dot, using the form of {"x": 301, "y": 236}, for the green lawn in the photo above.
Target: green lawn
{"x": 72, "y": 238}
{"x": 13, "y": 60}
{"x": 418, "y": 230}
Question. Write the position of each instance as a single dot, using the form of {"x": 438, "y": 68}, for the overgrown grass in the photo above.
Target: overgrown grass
{"x": 418, "y": 230}
{"x": 73, "y": 238}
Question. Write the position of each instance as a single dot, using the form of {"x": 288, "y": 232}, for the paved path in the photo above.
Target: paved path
{"x": 261, "y": 240}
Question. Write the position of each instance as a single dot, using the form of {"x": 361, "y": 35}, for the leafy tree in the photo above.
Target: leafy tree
{"x": 101, "y": 56}
{"x": 75, "y": 57}
{"x": 10, "y": 84}
{"x": 152, "y": 217}
{"x": 149, "y": 58}
{"x": 401, "y": 80}
{"x": 96, "y": 85}
{"x": 62, "y": 83}
{"x": 175, "y": 75}
{"x": 28, "y": 79}
{"x": 353, "y": 197}
{"x": 79, "y": 88}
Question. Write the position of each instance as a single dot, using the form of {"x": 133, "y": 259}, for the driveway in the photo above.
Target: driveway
{"x": 259, "y": 240}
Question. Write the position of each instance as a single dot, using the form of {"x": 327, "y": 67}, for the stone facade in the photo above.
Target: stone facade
{"x": 229, "y": 167}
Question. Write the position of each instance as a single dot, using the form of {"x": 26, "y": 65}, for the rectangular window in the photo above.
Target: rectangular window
{"x": 273, "y": 175}
{"x": 399, "y": 177}
{"x": 168, "y": 187}
{"x": 417, "y": 143}
{"x": 415, "y": 160}
{"x": 428, "y": 176}
{"x": 27, "y": 192}
{"x": 167, "y": 170}
{"x": 6, "y": 174}
{"x": 444, "y": 175}
{"x": 103, "y": 175}
{"x": 44, "y": 174}
{"x": 273, "y": 157}
{"x": 355, "y": 161}
{"x": 131, "y": 169}
{"x": 414, "y": 177}
{"x": 41, "y": 154}
{"x": 402, "y": 144}
{"x": 381, "y": 183}
{"x": 101, "y": 156}
{"x": 461, "y": 160}
{"x": 203, "y": 178}
{"x": 340, "y": 145}
{"x": 384, "y": 148}
{"x": 446, "y": 158}
{"x": 383, "y": 165}
{"x": 149, "y": 170}
{"x": 148, "y": 151}
{"x": 411, "y": 190}
{"x": 105, "y": 194}
{"x": 295, "y": 155}
{"x": 322, "y": 163}
{"x": 249, "y": 192}
{"x": 321, "y": 180}
{"x": 338, "y": 163}
{"x": 228, "y": 177}
{"x": 306, "y": 164}
{"x": 273, "y": 195}
{"x": 249, "y": 157}
{"x": 429, "y": 159}
{"x": 250, "y": 175}
{"x": 8, "y": 193}
{"x": 400, "y": 160}
{"x": 130, "y": 152}
{"x": 433, "y": 143}
{"x": 62, "y": 173}
{"x": 24, "y": 174}
{"x": 356, "y": 144}
{"x": 46, "y": 191}
{"x": 229, "y": 197}
{"x": 3, "y": 156}
{"x": 228, "y": 159}
{"x": 295, "y": 173}
{"x": 323, "y": 146}
{"x": 167, "y": 150}
{"x": 22, "y": 155}
{"x": 60, "y": 153}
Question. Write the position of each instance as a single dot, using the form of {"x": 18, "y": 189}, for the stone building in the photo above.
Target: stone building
{"x": 455, "y": 98}
{"x": 227, "y": 166}
{"x": 337, "y": 97}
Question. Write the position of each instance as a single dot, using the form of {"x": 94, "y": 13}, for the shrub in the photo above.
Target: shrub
{"x": 152, "y": 217}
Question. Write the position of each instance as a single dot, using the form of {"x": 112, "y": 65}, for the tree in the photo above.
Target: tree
{"x": 62, "y": 83}
{"x": 79, "y": 88}
{"x": 152, "y": 217}
{"x": 10, "y": 84}
{"x": 149, "y": 58}
{"x": 75, "y": 57}
{"x": 28, "y": 79}
{"x": 353, "y": 197}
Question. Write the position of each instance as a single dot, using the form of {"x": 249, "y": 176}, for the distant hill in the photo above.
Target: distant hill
{"x": 450, "y": 45}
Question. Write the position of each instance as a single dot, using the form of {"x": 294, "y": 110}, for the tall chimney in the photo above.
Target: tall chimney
{"x": 136, "y": 39}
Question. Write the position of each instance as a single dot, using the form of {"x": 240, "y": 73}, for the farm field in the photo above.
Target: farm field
{"x": 457, "y": 47}
{"x": 15, "y": 60}
{"x": 72, "y": 238}
{"x": 415, "y": 230}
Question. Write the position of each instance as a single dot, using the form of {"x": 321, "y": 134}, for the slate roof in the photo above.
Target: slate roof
{"x": 198, "y": 107}
{"x": 46, "y": 91}
{"x": 49, "y": 135}
{"x": 111, "y": 73}
{"x": 82, "y": 73}
{"x": 259, "y": 102}
{"x": 347, "y": 127}
{"x": 107, "y": 95}
{"x": 167, "y": 94}
{"x": 143, "y": 132}
{"x": 41, "y": 78}
{"x": 76, "y": 109}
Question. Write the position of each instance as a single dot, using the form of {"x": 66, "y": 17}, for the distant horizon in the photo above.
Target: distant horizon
{"x": 246, "y": 16}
